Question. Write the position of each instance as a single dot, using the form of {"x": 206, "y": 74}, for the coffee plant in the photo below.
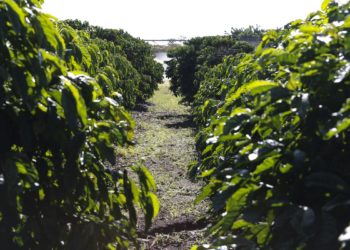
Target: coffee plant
{"x": 189, "y": 63}
{"x": 103, "y": 60}
{"x": 58, "y": 129}
{"x": 138, "y": 53}
{"x": 274, "y": 138}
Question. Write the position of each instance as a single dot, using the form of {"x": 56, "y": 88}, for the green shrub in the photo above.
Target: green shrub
{"x": 275, "y": 138}
{"x": 103, "y": 60}
{"x": 137, "y": 51}
{"x": 58, "y": 130}
{"x": 189, "y": 63}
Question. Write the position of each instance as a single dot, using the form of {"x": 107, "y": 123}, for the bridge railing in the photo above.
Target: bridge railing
{"x": 165, "y": 40}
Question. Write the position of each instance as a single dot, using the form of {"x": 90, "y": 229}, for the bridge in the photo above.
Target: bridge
{"x": 165, "y": 40}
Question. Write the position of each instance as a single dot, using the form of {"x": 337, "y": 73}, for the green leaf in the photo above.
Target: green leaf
{"x": 155, "y": 204}
{"x": 49, "y": 32}
{"x": 129, "y": 199}
{"x": 207, "y": 149}
{"x": 17, "y": 15}
{"x": 294, "y": 82}
{"x": 266, "y": 164}
{"x": 287, "y": 58}
{"x": 262, "y": 232}
{"x": 149, "y": 178}
{"x": 207, "y": 191}
{"x": 152, "y": 209}
{"x": 238, "y": 199}
{"x": 41, "y": 194}
{"x": 310, "y": 29}
{"x": 207, "y": 173}
{"x": 48, "y": 57}
{"x": 253, "y": 88}
{"x": 79, "y": 101}
{"x": 347, "y": 22}
{"x": 135, "y": 191}
{"x": 325, "y": 4}
{"x": 240, "y": 111}
{"x": 341, "y": 126}
{"x": 285, "y": 168}
{"x": 21, "y": 169}
{"x": 241, "y": 223}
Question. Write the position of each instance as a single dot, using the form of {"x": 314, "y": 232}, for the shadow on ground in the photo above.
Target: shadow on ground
{"x": 142, "y": 107}
{"x": 178, "y": 121}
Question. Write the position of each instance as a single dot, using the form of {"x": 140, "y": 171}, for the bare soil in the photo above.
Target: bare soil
{"x": 164, "y": 142}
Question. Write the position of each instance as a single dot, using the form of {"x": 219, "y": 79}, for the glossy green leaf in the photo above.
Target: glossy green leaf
{"x": 17, "y": 15}
{"x": 155, "y": 204}
{"x": 79, "y": 101}
{"x": 341, "y": 126}
{"x": 252, "y": 88}
{"x": 266, "y": 164}
{"x": 325, "y": 4}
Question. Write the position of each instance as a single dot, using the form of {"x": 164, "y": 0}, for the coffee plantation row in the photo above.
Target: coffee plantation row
{"x": 274, "y": 133}
{"x": 64, "y": 87}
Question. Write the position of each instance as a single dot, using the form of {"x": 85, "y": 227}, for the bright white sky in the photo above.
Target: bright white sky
{"x": 155, "y": 19}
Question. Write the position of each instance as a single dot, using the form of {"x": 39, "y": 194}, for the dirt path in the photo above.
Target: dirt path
{"x": 164, "y": 140}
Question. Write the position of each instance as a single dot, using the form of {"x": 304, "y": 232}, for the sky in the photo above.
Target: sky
{"x": 165, "y": 19}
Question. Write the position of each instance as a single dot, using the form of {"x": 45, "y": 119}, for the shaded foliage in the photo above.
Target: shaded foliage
{"x": 58, "y": 128}
{"x": 274, "y": 138}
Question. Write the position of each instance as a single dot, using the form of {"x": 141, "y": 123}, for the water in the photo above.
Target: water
{"x": 161, "y": 57}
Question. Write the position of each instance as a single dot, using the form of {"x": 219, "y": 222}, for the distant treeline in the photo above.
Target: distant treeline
{"x": 251, "y": 35}
{"x": 165, "y": 48}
